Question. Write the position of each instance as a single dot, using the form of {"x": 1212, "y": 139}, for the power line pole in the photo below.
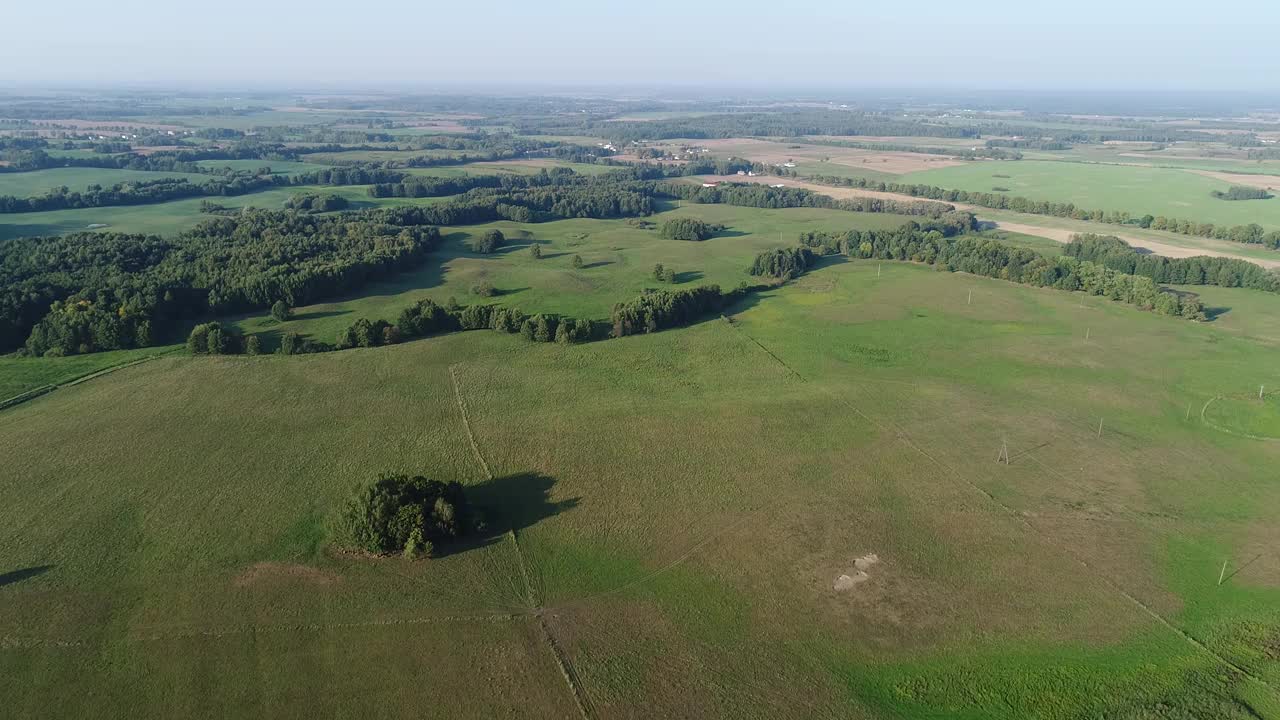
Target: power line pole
{"x": 1004, "y": 452}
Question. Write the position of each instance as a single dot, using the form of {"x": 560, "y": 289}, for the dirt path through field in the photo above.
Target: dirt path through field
{"x": 1061, "y": 235}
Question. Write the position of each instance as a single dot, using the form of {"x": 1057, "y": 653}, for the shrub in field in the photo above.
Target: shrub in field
{"x": 1242, "y": 192}
{"x": 782, "y": 263}
{"x": 281, "y": 311}
{"x": 488, "y": 242}
{"x": 403, "y": 514}
{"x": 689, "y": 229}
{"x": 213, "y": 339}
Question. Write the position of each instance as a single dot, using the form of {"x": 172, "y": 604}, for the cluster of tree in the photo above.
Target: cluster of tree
{"x": 983, "y": 256}
{"x": 405, "y": 515}
{"x": 764, "y": 196}
{"x": 316, "y": 202}
{"x": 664, "y": 274}
{"x": 212, "y": 338}
{"x": 783, "y": 263}
{"x": 487, "y": 242}
{"x": 689, "y": 229}
{"x": 426, "y": 318}
{"x": 1202, "y": 270}
{"x": 1251, "y": 233}
{"x": 659, "y": 309}
{"x": 1242, "y": 192}
{"x": 105, "y": 291}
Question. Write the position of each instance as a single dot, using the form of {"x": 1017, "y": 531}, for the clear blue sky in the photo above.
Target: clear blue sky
{"x": 1077, "y": 44}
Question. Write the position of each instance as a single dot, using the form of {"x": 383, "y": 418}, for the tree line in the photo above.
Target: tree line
{"x": 1118, "y": 255}
{"x": 764, "y": 196}
{"x": 978, "y": 255}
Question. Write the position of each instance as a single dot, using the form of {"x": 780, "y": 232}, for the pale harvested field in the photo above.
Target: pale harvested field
{"x": 1062, "y": 235}
{"x": 957, "y": 143}
{"x": 777, "y": 153}
{"x": 1265, "y": 182}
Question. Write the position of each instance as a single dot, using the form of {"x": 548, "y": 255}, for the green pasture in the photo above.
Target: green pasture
{"x": 1139, "y": 190}
{"x": 38, "y": 182}
{"x": 684, "y": 505}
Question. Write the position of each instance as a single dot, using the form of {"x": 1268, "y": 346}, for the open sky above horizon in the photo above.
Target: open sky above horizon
{"x": 997, "y": 44}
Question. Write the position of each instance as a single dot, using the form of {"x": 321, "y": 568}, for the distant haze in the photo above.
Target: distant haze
{"x": 1161, "y": 45}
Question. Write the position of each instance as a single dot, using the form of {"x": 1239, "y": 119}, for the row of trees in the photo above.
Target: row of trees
{"x": 317, "y": 202}
{"x": 659, "y": 309}
{"x": 1201, "y": 270}
{"x": 1242, "y": 192}
{"x": 764, "y": 196}
{"x": 426, "y": 318}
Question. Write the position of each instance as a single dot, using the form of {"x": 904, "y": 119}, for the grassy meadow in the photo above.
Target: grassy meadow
{"x": 795, "y": 513}
{"x": 618, "y": 261}
{"x": 38, "y": 182}
{"x": 1159, "y": 191}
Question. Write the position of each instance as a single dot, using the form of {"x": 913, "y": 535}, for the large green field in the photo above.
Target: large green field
{"x": 618, "y": 265}
{"x": 1159, "y": 191}
{"x": 38, "y": 182}
{"x": 796, "y": 512}
{"x": 177, "y": 215}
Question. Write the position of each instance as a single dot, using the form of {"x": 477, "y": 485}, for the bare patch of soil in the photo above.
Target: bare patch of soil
{"x": 269, "y": 571}
{"x": 777, "y": 153}
{"x": 1266, "y": 182}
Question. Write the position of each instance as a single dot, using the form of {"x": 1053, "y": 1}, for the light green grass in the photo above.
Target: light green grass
{"x": 619, "y": 261}
{"x": 683, "y": 503}
{"x": 1138, "y": 190}
{"x": 38, "y": 182}
{"x": 278, "y": 167}
{"x": 20, "y": 375}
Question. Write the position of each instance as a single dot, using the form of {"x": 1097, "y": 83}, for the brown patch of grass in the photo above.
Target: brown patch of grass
{"x": 268, "y": 571}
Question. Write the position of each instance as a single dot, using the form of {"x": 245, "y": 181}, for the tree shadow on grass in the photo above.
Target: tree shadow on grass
{"x": 1213, "y": 313}
{"x": 508, "y": 503}
{"x": 596, "y": 264}
{"x": 730, "y": 234}
{"x": 688, "y": 276}
{"x": 320, "y": 314}
{"x": 17, "y": 576}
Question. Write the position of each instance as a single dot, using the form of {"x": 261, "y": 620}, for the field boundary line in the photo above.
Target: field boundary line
{"x": 580, "y": 699}
{"x": 585, "y": 708}
{"x": 466, "y": 423}
{"x": 906, "y": 439}
{"x": 34, "y": 393}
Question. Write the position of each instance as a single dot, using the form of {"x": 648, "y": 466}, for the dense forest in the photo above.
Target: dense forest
{"x": 88, "y": 292}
